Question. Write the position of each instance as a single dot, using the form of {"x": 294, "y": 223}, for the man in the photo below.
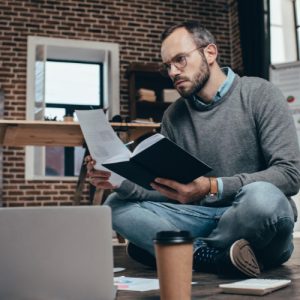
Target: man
{"x": 241, "y": 212}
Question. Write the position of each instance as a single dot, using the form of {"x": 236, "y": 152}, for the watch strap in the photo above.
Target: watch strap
{"x": 213, "y": 186}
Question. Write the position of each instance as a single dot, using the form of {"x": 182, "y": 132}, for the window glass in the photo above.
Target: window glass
{"x": 69, "y": 85}
{"x": 55, "y": 161}
{"x": 78, "y": 159}
{"x": 298, "y": 24}
{"x": 298, "y": 12}
{"x": 55, "y": 114}
{"x": 275, "y": 16}
{"x": 283, "y": 32}
{"x": 298, "y": 30}
{"x": 277, "y": 48}
{"x": 55, "y": 158}
{"x": 72, "y": 83}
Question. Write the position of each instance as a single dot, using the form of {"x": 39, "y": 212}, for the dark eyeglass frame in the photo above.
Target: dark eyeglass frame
{"x": 179, "y": 61}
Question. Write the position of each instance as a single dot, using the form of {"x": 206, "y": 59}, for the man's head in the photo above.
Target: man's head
{"x": 188, "y": 50}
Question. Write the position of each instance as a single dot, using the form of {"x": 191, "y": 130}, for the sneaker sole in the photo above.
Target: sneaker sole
{"x": 243, "y": 258}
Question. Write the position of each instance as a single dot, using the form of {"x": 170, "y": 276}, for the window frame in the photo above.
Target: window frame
{"x": 294, "y": 34}
{"x": 69, "y": 152}
{"x": 297, "y": 26}
{"x": 57, "y": 48}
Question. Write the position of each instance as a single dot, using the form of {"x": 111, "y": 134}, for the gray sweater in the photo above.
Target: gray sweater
{"x": 247, "y": 136}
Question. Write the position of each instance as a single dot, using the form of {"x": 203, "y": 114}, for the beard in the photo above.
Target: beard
{"x": 198, "y": 81}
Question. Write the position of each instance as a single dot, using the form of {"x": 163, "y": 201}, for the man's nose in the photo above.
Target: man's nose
{"x": 174, "y": 71}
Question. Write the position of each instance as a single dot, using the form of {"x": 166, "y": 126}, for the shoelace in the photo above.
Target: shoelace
{"x": 204, "y": 257}
{"x": 205, "y": 254}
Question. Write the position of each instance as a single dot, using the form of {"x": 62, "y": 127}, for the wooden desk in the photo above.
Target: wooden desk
{"x": 21, "y": 133}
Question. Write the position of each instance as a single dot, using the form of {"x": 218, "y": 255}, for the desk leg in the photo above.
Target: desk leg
{"x": 81, "y": 180}
{"x": 96, "y": 195}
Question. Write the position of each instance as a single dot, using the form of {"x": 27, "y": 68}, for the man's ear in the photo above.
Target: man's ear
{"x": 211, "y": 53}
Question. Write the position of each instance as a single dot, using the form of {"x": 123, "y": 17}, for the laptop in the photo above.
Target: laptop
{"x": 56, "y": 253}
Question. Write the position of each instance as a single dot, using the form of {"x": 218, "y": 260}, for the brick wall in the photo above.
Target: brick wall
{"x": 134, "y": 24}
{"x": 1, "y": 150}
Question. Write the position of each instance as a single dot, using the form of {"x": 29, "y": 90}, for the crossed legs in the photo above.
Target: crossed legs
{"x": 260, "y": 213}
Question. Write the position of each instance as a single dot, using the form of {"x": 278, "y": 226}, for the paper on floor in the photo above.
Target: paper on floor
{"x": 125, "y": 283}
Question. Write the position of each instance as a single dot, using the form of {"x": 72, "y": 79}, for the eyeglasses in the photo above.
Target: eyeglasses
{"x": 179, "y": 61}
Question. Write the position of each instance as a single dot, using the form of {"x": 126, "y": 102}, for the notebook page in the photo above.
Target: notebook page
{"x": 102, "y": 141}
{"x": 147, "y": 143}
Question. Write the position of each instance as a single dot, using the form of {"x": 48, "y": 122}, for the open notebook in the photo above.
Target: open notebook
{"x": 156, "y": 156}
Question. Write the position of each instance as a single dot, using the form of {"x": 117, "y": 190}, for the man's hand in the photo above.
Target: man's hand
{"x": 98, "y": 178}
{"x": 183, "y": 193}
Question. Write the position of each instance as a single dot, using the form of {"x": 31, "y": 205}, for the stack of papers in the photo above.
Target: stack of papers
{"x": 124, "y": 283}
{"x": 146, "y": 95}
{"x": 254, "y": 286}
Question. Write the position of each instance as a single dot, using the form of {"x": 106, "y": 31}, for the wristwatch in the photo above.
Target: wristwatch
{"x": 213, "y": 186}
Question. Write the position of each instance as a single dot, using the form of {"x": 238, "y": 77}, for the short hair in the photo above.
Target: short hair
{"x": 200, "y": 34}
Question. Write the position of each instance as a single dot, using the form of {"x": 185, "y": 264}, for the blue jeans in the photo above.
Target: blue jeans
{"x": 260, "y": 213}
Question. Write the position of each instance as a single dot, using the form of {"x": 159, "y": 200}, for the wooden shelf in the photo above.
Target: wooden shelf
{"x": 147, "y": 76}
{"x": 154, "y": 110}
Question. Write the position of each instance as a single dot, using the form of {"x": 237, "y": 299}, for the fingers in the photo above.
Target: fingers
{"x": 89, "y": 162}
{"x": 102, "y": 184}
{"x": 98, "y": 174}
{"x": 98, "y": 178}
{"x": 167, "y": 192}
{"x": 169, "y": 183}
{"x": 88, "y": 159}
{"x": 183, "y": 193}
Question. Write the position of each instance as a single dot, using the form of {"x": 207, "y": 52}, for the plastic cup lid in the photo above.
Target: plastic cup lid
{"x": 170, "y": 237}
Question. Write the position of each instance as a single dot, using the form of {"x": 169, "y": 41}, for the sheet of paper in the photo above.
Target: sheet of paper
{"x": 136, "y": 284}
{"x": 118, "y": 269}
{"x": 102, "y": 141}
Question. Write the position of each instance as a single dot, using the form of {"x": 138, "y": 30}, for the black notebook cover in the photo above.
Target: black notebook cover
{"x": 162, "y": 159}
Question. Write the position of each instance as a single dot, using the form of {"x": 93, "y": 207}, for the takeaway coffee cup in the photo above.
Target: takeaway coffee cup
{"x": 174, "y": 260}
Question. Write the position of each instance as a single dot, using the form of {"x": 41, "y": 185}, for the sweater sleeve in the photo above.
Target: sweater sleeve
{"x": 278, "y": 141}
{"x": 130, "y": 190}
